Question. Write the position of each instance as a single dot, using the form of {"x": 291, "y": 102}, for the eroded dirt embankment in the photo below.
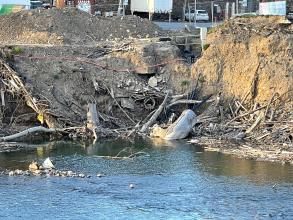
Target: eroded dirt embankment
{"x": 249, "y": 63}
{"x": 248, "y": 55}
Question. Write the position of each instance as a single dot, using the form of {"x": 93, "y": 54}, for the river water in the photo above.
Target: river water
{"x": 172, "y": 181}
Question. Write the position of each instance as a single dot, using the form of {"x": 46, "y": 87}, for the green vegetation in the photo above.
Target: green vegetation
{"x": 201, "y": 79}
{"x": 17, "y": 50}
{"x": 211, "y": 30}
{"x": 247, "y": 15}
{"x": 206, "y": 46}
{"x": 56, "y": 76}
{"x": 6, "y": 9}
{"x": 185, "y": 83}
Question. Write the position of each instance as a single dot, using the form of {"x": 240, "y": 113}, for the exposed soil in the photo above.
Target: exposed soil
{"x": 248, "y": 55}
{"x": 249, "y": 63}
{"x": 71, "y": 26}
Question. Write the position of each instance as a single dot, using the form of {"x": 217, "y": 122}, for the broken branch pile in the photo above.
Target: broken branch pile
{"x": 59, "y": 92}
{"x": 266, "y": 127}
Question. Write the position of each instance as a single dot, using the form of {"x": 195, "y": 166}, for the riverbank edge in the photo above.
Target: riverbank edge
{"x": 244, "y": 151}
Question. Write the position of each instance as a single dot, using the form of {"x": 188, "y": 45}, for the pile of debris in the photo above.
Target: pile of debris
{"x": 71, "y": 26}
{"x": 118, "y": 78}
{"x": 241, "y": 87}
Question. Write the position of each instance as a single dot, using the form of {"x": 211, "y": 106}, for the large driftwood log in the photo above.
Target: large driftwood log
{"x": 34, "y": 130}
{"x": 181, "y": 128}
{"x": 155, "y": 115}
{"x": 92, "y": 116}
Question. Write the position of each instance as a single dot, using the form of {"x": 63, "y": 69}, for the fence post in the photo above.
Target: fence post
{"x": 227, "y": 11}
{"x": 212, "y": 9}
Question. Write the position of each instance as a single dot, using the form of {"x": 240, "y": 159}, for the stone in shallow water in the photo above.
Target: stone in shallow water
{"x": 69, "y": 173}
{"x": 131, "y": 186}
{"x": 47, "y": 164}
{"x": 37, "y": 172}
{"x": 100, "y": 175}
{"x": 33, "y": 166}
{"x": 18, "y": 172}
{"x": 81, "y": 175}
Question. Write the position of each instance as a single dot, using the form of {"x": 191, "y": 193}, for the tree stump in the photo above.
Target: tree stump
{"x": 92, "y": 118}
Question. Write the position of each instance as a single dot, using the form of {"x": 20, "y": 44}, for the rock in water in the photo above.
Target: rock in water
{"x": 81, "y": 175}
{"x": 100, "y": 175}
{"x": 33, "y": 166}
{"x": 47, "y": 164}
{"x": 131, "y": 186}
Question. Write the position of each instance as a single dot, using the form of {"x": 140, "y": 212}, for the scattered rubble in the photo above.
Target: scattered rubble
{"x": 46, "y": 169}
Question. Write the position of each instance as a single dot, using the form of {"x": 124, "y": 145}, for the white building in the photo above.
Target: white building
{"x": 272, "y": 7}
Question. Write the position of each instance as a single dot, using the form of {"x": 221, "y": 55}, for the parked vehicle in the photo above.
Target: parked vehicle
{"x": 151, "y": 6}
{"x": 36, "y": 4}
{"x": 289, "y": 10}
{"x": 201, "y": 15}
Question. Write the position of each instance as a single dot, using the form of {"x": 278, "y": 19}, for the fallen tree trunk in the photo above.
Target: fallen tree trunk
{"x": 2, "y": 98}
{"x": 181, "y": 128}
{"x": 34, "y": 130}
{"x": 155, "y": 115}
{"x": 255, "y": 124}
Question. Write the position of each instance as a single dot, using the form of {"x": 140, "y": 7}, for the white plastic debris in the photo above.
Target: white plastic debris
{"x": 153, "y": 82}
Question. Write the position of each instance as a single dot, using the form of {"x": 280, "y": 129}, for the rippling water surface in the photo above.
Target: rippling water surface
{"x": 174, "y": 181}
